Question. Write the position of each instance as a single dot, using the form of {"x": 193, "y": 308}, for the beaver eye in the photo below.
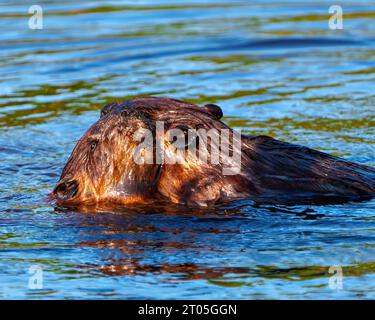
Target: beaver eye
{"x": 191, "y": 138}
{"x": 93, "y": 145}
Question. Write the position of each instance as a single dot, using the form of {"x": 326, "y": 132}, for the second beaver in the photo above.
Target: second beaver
{"x": 103, "y": 166}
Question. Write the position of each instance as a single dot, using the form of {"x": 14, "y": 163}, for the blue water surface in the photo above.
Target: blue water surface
{"x": 275, "y": 68}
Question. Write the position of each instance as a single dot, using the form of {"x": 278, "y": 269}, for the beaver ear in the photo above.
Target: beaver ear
{"x": 108, "y": 108}
{"x": 214, "y": 110}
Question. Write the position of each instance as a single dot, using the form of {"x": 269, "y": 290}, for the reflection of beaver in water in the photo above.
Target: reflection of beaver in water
{"x": 102, "y": 169}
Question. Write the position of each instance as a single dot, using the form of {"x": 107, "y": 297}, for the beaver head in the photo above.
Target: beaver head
{"x": 113, "y": 163}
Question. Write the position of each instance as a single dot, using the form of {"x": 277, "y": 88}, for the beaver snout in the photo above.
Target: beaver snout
{"x": 66, "y": 189}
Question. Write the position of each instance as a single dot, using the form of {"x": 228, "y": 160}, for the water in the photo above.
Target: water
{"x": 275, "y": 69}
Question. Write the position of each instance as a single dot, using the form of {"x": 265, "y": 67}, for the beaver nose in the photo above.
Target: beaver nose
{"x": 66, "y": 189}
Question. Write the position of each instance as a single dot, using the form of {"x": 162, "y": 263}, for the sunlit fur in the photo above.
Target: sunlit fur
{"x": 107, "y": 172}
{"x": 272, "y": 171}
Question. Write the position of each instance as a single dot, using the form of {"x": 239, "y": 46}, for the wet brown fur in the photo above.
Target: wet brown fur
{"x": 272, "y": 171}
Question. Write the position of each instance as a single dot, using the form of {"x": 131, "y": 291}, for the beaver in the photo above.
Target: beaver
{"x": 104, "y": 168}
